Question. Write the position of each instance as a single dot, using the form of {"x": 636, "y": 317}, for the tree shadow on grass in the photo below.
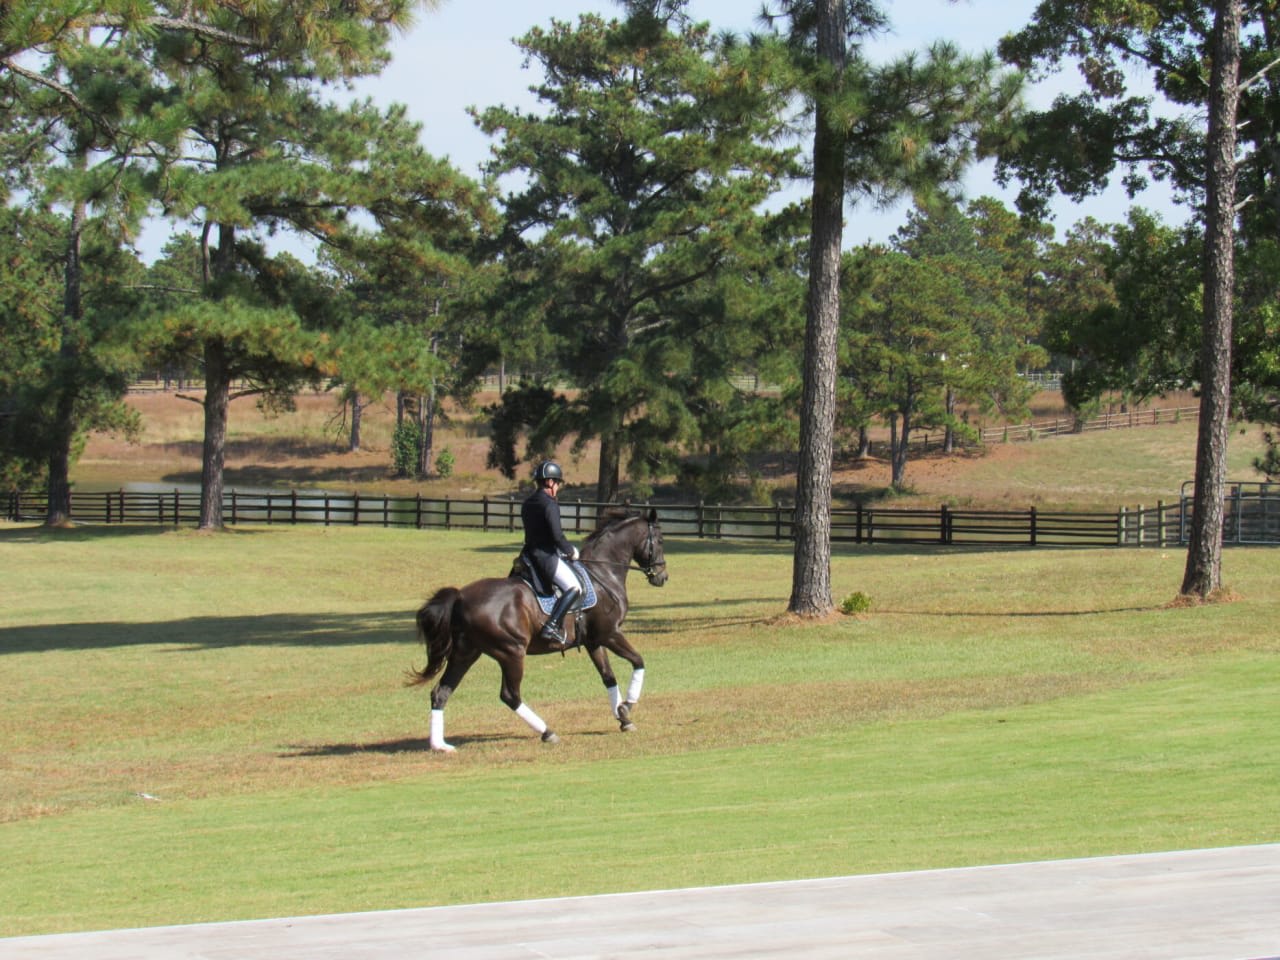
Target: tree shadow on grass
{"x": 212, "y": 633}
{"x": 38, "y": 533}
{"x": 1027, "y": 614}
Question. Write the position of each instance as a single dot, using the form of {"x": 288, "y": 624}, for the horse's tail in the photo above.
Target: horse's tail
{"x": 435, "y": 630}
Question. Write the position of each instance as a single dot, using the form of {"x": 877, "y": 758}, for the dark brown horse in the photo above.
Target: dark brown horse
{"x": 501, "y": 617}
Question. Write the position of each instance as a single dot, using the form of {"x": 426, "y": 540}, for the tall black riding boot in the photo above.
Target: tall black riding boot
{"x": 553, "y": 629}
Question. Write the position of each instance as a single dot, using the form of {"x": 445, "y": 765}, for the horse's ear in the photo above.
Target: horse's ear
{"x": 653, "y": 515}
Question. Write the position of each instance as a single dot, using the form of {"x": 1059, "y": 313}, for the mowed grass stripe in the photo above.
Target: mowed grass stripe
{"x": 993, "y": 706}
{"x": 1163, "y": 765}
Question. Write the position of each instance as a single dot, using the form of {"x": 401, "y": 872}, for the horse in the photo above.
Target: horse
{"x": 502, "y": 618}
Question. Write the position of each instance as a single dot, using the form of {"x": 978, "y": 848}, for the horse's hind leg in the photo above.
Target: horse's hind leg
{"x": 512, "y": 676}
{"x": 458, "y": 666}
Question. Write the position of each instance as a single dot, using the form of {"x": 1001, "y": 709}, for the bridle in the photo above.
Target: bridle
{"x": 651, "y": 548}
{"x": 648, "y": 567}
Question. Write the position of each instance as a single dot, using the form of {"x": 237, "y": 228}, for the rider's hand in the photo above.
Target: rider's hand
{"x": 575, "y": 554}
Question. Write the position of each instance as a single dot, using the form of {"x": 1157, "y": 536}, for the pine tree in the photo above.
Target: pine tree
{"x": 637, "y": 241}
{"x": 910, "y": 126}
{"x": 1194, "y": 54}
{"x": 267, "y": 154}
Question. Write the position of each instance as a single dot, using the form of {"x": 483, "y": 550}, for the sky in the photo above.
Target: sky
{"x": 462, "y": 54}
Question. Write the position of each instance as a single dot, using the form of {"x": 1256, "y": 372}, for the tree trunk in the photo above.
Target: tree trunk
{"x": 426, "y": 431}
{"x": 357, "y": 413}
{"x": 66, "y": 380}
{"x": 427, "y": 415}
{"x": 217, "y": 404}
{"x": 811, "y": 567}
{"x": 609, "y": 476}
{"x": 898, "y": 455}
{"x": 864, "y": 443}
{"x": 949, "y": 435}
{"x": 1203, "y": 573}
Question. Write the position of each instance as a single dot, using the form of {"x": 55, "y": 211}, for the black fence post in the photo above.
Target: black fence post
{"x": 1034, "y": 528}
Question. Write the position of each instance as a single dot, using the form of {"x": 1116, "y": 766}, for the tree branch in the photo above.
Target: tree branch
{"x": 1260, "y": 75}
{"x": 170, "y": 23}
{"x": 62, "y": 90}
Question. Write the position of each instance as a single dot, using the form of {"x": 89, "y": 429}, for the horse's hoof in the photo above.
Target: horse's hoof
{"x": 550, "y": 737}
{"x": 626, "y": 726}
{"x": 623, "y": 713}
{"x": 443, "y": 748}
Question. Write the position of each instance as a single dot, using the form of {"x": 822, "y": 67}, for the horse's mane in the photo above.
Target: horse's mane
{"x": 609, "y": 518}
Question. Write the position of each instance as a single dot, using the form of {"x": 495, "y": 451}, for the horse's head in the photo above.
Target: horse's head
{"x": 648, "y": 553}
{"x": 623, "y": 537}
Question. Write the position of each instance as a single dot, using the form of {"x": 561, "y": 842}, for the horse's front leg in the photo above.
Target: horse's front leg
{"x": 620, "y": 708}
{"x": 512, "y": 663}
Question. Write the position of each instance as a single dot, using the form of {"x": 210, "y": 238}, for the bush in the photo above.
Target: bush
{"x": 444, "y": 463}
{"x": 855, "y": 603}
{"x": 404, "y": 449}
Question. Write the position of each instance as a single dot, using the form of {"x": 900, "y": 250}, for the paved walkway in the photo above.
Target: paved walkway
{"x": 1196, "y": 905}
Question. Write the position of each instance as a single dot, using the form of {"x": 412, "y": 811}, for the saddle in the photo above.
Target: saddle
{"x": 522, "y": 569}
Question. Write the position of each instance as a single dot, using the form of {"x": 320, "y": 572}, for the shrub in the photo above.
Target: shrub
{"x": 855, "y": 603}
{"x": 445, "y": 462}
{"x": 404, "y": 448}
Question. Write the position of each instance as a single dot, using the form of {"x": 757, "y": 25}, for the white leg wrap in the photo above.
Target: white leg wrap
{"x": 437, "y": 732}
{"x": 531, "y": 718}
{"x": 633, "y": 688}
{"x": 615, "y": 698}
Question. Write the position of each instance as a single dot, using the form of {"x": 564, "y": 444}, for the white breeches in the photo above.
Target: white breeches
{"x": 564, "y": 577}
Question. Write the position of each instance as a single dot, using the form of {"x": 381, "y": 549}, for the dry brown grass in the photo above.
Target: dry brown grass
{"x": 308, "y": 449}
{"x": 305, "y": 448}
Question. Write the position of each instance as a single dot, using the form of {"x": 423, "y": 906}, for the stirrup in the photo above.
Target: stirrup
{"x": 552, "y": 635}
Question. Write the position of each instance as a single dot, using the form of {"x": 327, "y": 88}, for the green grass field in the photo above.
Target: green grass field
{"x": 214, "y": 727}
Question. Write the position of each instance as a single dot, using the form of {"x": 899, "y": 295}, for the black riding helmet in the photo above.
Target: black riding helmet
{"x": 548, "y": 470}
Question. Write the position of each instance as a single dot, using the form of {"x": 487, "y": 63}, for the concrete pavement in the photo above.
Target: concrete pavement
{"x": 1193, "y": 905}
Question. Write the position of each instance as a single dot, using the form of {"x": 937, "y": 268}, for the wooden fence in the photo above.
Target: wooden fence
{"x": 1107, "y": 421}
{"x": 1251, "y": 518}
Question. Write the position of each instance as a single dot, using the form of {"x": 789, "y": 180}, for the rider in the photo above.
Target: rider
{"x": 547, "y": 548}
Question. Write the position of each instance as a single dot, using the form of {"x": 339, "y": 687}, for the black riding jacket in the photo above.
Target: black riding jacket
{"x": 543, "y": 536}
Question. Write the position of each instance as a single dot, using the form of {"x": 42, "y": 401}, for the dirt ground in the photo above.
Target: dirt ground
{"x": 309, "y": 448}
